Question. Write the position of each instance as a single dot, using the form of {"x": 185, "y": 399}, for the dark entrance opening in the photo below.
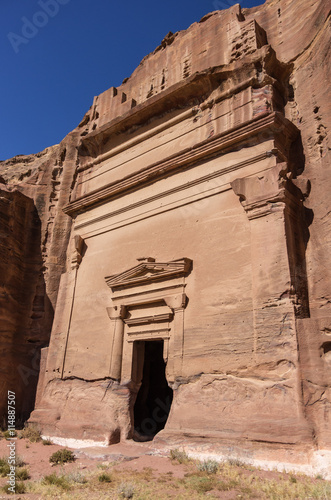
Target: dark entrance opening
{"x": 154, "y": 398}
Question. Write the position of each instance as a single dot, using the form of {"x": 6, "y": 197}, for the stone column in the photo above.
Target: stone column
{"x": 78, "y": 249}
{"x": 116, "y": 315}
{"x": 176, "y": 342}
{"x": 127, "y": 362}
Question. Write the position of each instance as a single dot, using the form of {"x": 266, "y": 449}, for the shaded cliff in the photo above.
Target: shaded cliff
{"x": 22, "y": 298}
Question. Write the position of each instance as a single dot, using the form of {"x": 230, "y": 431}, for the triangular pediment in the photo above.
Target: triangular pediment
{"x": 147, "y": 272}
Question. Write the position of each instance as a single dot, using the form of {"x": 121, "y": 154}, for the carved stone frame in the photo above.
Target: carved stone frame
{"x": 147, "y": 284}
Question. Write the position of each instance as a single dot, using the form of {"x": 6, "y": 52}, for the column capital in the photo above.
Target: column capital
{"x": 268, "y": 192}
{"x": 116, "y": 312}
{"x": 176, "y": 302}
{"x": 78, "y": 250}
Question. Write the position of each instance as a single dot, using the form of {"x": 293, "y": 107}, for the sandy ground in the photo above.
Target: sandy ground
{"x": 135, "y": 457}
{"x": 123, "y": 457}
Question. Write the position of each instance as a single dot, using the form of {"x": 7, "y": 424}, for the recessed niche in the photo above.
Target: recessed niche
{"x": 326, "y": 351}
{"x": 186, "y": 68}
{"x": 163, "y": 80}
{"x": 150, "y": 92}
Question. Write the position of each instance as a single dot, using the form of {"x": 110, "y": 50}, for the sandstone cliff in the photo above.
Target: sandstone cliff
{"x": 295, "y": 36}
{"x": 34, "y": 237}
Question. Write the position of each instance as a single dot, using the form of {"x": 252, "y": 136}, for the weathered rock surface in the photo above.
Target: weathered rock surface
{"x": 20, "y": 266}
{"x": 34, "y": 237}
{"x": 190, "y": 208}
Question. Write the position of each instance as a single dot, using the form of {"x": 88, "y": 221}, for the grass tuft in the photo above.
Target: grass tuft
{"x": 77, "y": 477}
{"x": 31, "y": 433}
{"x": 126, "y": 490}
{"x": 198, "y": 483}
{"x": 4, "y": 467}
{"x": 62, "y": 457}
{"x": 208, "y": 466}
{"x": 104, "y": 478}
{"x": 19, "y": 488}
{"x": 179, "y": 456}
{"x": 236, "y": 462}
{"x": 46, "y": 442}
{"x": 9, "y": 434}
{"x": 59, "y": 481}
{"x": 22, "y": 474}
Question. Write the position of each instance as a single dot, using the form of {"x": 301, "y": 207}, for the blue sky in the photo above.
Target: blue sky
{"x": 57, "y": 54}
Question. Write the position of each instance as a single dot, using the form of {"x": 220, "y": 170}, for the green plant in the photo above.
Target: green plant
{"x": 59, "y": 481}
{"x": 126, "y": 490}
{"x": 209, "y": 466}
{"x": 31, "y": 433}
{"x": 201, "y": 484}
{"x": 228, "y": 485}
{"x": 22, "y": 474}
{"x": 4, "y": 467}
{"x": 19, "y": 488}
{"x": 180, "y": 456}
{"x": 9, "y": 434}
{"x": 62, "y": 456}
{"x": 104, "y": 478}
{"x": 46, "y": 442}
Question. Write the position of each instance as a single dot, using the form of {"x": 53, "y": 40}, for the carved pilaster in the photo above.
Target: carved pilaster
{"x": 176, "y": 342}
{"x": 273, "y": 205}
{"x": 116, "y": 315}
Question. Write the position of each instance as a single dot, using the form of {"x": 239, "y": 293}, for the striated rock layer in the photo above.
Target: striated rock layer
{"x": 188, "y": 216}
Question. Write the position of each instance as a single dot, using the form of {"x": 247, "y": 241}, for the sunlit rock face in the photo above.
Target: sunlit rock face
{"x": 184, "y": 246}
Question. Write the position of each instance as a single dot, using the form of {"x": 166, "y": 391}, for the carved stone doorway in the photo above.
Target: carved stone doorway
{"x": 154, "y": 397}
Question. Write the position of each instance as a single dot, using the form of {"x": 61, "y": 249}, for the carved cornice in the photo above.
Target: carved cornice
{"x": 153, "y": 318}
{"x": 274, "y": 123}
{"x": 181, "y": 187}
{"x": 160, "y": 333}
{"x": 148, "y": 272}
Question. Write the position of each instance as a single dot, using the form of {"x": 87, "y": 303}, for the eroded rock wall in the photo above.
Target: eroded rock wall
{"x": 304, "y": 41}
{"x": 20, "y": 266}
{"x": 35, "y": 235}
{"x": 300, "y": 34}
